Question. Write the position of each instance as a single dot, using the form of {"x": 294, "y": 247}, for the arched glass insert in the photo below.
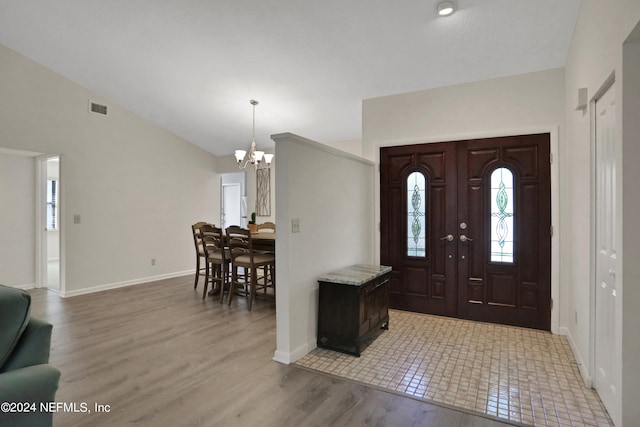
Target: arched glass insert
{"x": 416, "y": 217}
{"x": 502, "y": 203}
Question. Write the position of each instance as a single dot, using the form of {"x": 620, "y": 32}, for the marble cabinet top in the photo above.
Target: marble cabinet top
{"x": 355, "y": 275}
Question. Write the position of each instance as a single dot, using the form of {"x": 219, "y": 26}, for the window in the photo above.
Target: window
{"x": 52, "y": 205}
{"x": 502, "y": 214}
{"x": 416, "y": 217}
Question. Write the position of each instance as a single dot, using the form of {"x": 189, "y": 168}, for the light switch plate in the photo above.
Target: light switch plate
{"x": 76, "y": 219}
{"x": 295, "y": 225}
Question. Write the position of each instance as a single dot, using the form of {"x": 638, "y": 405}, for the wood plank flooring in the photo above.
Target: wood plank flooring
{"x": 160, "y": 356}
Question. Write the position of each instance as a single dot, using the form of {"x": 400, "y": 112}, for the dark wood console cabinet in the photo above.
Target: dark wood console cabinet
{"x": 353, "y": 306}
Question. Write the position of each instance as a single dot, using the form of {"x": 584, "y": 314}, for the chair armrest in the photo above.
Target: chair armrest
{"x": 37, "y": 383}
{"x": 33, "y": 384}
{"x": 32, "y": 348}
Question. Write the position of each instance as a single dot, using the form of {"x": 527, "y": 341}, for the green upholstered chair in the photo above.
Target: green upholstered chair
{"x": 25, "y": 375}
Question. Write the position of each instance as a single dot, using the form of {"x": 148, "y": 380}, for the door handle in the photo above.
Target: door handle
{"x": 464, "y": 238}
{"x": 448, "y": 237}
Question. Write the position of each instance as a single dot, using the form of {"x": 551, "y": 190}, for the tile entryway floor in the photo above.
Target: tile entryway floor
{"x": 516, "y": 374}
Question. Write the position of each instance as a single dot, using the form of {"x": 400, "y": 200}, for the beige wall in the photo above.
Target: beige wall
{"x": 331, "y": 194}
{"x": 137, "y": 187}
{"x": 352, "y": 147}
{"x": 596, "y": 54}
{"x": 491, "y": 107}
{"x": 17, "y": 220}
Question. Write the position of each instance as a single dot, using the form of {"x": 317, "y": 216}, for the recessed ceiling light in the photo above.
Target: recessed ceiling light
{"x": 445, "y": 8}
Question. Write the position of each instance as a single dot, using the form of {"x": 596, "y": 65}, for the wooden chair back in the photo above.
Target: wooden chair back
{"x": 243, "y": 256}
{"x": 267, "y": 226}
{"x": 197, "y": 241}
{"x": 216, "y": 257}
{"x": 212, "y": 242}
{"x": 239, "y": 242}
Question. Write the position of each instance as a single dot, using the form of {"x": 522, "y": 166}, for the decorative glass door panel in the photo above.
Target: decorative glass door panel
{"x": 416, "y": 211}
{"x": 502, "y": 196}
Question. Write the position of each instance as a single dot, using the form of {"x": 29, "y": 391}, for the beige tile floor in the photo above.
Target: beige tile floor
{"x": 516, "y": 374}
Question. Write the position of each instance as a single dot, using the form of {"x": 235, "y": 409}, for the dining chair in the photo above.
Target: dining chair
{"x": 244, "y": 256}
{"x": 195, "y": 229}
{"x": 217, "y": 258}
{"x": 267, "y": 226}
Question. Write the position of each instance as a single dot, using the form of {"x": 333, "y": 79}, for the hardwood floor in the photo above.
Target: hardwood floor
{"x": 158, "y": 355}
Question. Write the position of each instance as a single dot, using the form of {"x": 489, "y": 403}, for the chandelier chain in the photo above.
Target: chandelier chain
{"x": 255, "y": 157}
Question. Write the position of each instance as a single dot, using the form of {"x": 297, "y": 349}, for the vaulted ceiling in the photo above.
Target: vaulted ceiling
{"x": 192, "y": 66}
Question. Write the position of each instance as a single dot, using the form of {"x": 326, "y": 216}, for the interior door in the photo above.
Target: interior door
{"x": 231, "y": 202}
{"x": 606, "y": 250}
{"x": 465, "y": 226}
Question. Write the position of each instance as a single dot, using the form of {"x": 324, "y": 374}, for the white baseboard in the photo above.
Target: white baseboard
{"x": 576, "y": 353}
{"x": 108, "y": 286}
{"x": 287, "y": 358}
{"x": 282, "y": 357}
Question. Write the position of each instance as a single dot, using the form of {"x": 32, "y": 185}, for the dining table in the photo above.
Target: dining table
{"x": 264, "y": 240}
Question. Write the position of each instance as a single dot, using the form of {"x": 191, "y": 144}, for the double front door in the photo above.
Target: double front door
{"x": 466, "y": 227}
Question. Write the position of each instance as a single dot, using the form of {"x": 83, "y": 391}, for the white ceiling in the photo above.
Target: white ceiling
{"x": 192, "y": 66}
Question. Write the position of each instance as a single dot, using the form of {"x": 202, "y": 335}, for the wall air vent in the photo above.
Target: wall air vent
{"x": 97, "y": 108}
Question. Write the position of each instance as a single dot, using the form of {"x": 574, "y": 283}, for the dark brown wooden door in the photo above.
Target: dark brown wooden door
{"x": 422, "y": 282}
{"x": 474, "y": 242}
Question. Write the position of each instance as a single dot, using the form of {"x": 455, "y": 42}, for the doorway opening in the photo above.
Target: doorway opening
{"x": 49, "y": 223}
{"x": 233, "y": 203}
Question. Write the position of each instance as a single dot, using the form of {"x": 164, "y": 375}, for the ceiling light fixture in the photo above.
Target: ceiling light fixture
{"x": 446, "y": 8}
{"x": 254, "y": 156}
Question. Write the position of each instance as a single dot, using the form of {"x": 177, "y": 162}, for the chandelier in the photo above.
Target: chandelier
{"x": 254, "y": 156}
